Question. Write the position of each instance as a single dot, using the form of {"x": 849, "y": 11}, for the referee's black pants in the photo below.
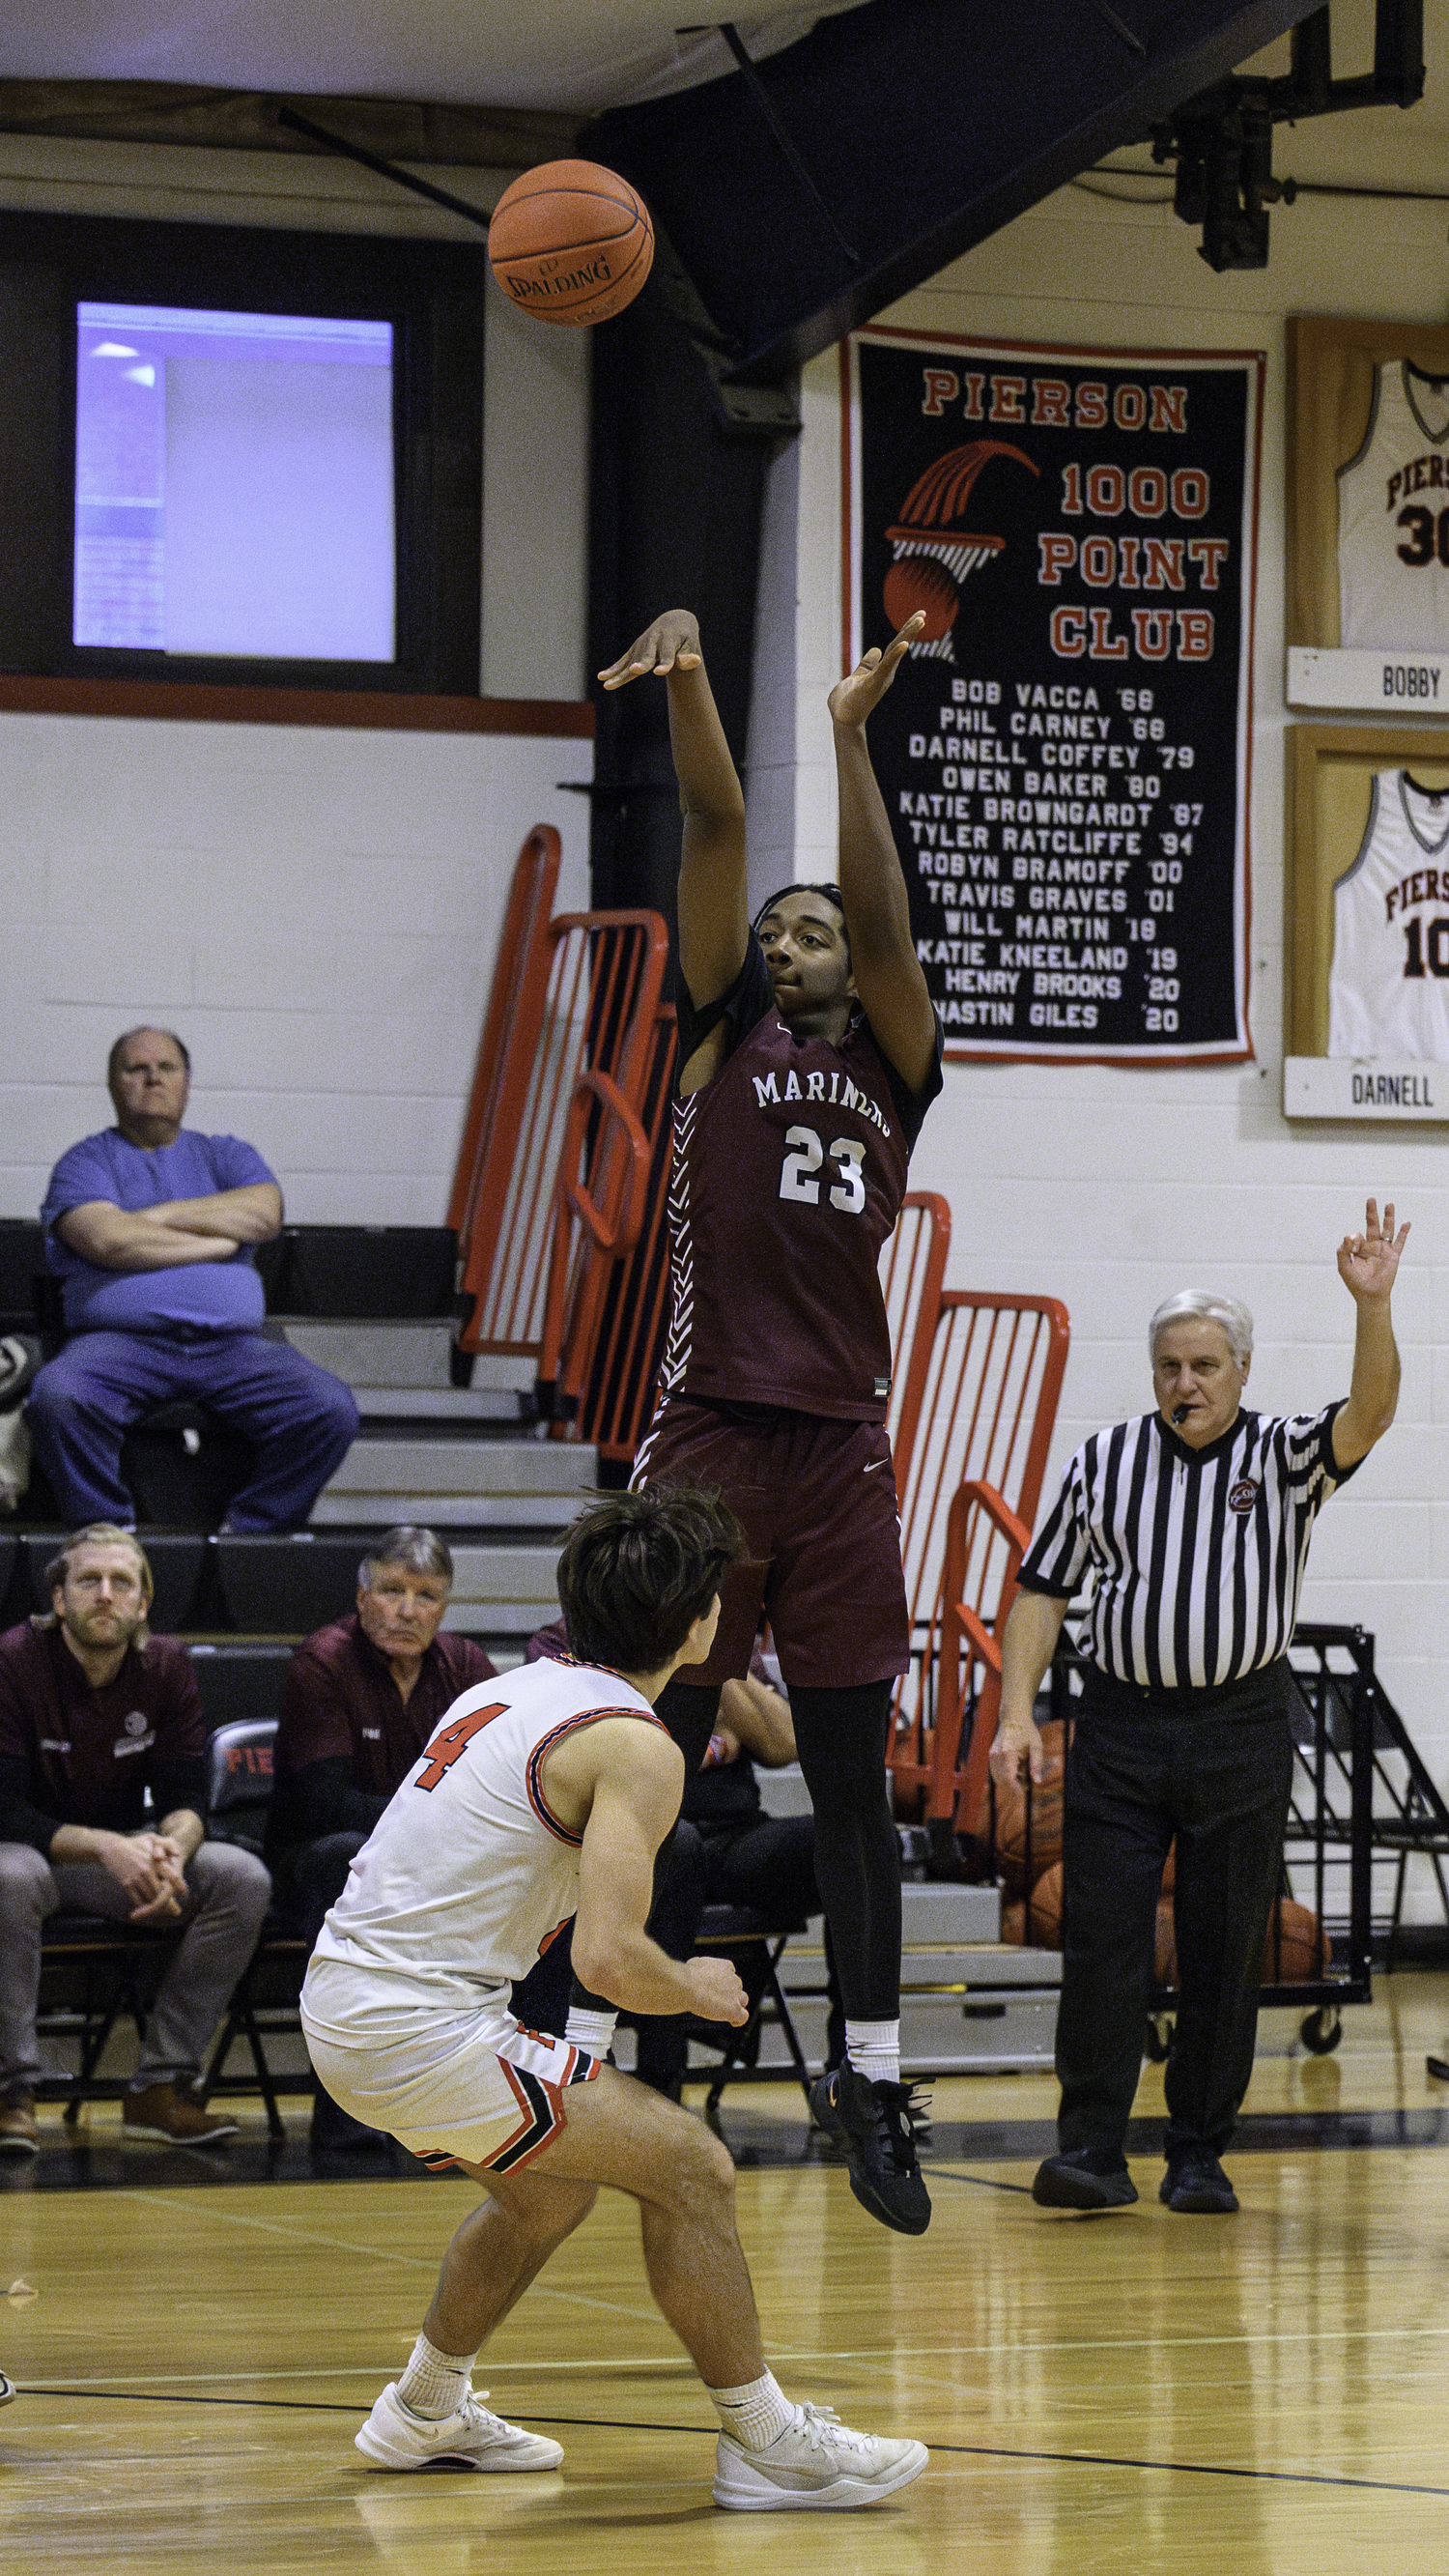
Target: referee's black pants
{"x": 1213, "y": 1769}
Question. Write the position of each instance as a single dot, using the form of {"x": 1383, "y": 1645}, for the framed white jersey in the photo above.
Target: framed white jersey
{"x": 1388, "y": 993}
{"x": 1393, "y": 516}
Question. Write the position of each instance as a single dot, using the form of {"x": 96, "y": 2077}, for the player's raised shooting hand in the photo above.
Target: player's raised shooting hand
{"x": 852, "y": 700}
{"x": 1368, "y": 1262}
{"x": 670, "y": 644}
{"x": 715, "y": 1991}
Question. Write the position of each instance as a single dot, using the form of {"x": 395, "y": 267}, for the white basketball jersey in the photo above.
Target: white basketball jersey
{"x": 466, "y": 1873}
{"x": 1393, "y": 516}
{"x": 1388, "y": 993}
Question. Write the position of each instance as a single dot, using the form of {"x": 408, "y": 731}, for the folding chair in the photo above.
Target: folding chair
{"x": 264, "y": 2003}
{"x": 755, "y": 1946}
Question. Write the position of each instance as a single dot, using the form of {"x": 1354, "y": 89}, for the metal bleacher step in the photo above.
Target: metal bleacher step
{"x": 506, "y": 1590}
{"x": 450, "y": 1477}
{"x": 410, "y": 1356}
{"x": 971, "y": 2004}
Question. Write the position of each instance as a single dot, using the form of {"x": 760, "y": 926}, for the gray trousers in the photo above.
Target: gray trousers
{"x": 228, "y": 1892}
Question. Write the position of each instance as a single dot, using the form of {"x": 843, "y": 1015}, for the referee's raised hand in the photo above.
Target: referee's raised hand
{"x": 1368, "y": 1262}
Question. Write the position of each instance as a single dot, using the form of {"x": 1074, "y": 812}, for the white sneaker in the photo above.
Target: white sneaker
{"x": 817, "y": 2465}
{"x": 394, "y": 2438}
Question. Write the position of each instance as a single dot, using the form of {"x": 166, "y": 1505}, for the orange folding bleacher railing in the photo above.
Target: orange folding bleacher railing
{"x": 515, "y": 1008}
{"x": 986, "y": 1410}
{"x": 617, "y": 1303}
{"x": 912, "y": 1269}
{"x": 567, "y": 1148}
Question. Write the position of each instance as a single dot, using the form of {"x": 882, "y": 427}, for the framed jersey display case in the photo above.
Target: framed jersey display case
{"x": 1366, "y": 950}
{"x": 1368, "y": 516}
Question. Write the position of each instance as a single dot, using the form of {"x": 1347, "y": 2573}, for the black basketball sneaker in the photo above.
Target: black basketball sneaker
{"x": 879, "y": 2126}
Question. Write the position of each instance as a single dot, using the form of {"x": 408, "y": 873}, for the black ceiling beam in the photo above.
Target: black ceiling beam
{"x": 925, "y": 125}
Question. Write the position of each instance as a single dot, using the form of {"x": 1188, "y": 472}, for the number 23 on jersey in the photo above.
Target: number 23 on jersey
{"x": 806, "y": 1158}
{"x": 451, "y": 1740}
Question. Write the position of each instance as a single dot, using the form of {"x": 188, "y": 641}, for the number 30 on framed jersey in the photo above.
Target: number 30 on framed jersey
{"x": 1367, "y": 923}
{"x": 1368, "y": 515}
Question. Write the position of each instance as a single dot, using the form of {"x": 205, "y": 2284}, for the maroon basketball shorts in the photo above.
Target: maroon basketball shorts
{"x": 817, "y": 1500}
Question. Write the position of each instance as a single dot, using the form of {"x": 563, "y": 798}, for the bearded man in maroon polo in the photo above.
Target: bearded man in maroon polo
{"x": 94, "y": 1711}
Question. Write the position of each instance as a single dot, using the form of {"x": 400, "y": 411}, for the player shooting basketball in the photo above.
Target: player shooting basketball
{"x": 809, "y": 1053}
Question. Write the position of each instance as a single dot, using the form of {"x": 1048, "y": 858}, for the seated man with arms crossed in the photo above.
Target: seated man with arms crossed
{"x": 93, "y": 1712}
{"x": 543, "y": 1795}
{"x": 150, "y": 1225}
{"x": 360, "y": 1701}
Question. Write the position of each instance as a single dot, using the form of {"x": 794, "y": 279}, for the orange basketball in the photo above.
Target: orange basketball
{"x": 1040, "y": 1924}
{"x": 918, "y": 581}
{"x": 1295, "y": 1955}
{"x": 570, "y": 242}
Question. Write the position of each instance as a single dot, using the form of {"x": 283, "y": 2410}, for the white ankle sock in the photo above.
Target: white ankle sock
{"x": 591, "y": 2029}
{"x": 435, "y": 2383}
{"x": 756, "y": 2413}
{"x": 874, "y": 2050}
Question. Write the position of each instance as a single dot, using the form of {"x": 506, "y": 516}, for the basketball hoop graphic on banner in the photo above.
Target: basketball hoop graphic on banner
{"x": 1065, "y": 752}
{"x": 936, "y": 550}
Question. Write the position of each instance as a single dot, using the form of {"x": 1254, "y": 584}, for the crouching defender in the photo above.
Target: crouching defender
{"x": 543, "y": 1795}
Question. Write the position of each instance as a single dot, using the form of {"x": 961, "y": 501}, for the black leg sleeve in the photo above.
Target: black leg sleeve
{"x": 841, "y": 1736}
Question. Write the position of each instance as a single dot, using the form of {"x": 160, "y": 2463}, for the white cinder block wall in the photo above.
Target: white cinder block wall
{"x": 1112, "y": 1188}
{"x": 315, "y": 910}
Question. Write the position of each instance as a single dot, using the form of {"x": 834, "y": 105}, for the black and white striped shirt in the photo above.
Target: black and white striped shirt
{"x": 1195, "y": 1557}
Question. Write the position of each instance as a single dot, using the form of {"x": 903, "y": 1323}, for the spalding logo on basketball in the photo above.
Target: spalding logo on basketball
{"x": 570, "y": 242}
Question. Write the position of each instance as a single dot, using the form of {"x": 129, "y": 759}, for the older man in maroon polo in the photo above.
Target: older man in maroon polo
{"x": 361, "y": 1699}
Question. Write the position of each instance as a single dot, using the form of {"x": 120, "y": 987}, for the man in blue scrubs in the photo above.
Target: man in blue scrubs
{"x": 151, "y": 1227}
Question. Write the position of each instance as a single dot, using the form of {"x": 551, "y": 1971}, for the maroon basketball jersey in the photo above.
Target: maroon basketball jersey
{"x": 789, "y": 1171}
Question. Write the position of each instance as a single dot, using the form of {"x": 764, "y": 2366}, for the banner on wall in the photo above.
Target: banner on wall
{"x": 1065, "y": 752}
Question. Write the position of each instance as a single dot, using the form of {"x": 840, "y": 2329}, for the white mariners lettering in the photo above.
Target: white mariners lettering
{"x": 372, "y": 1735}
{"x": 804, "y": 1160}
{"x": 843, "y": 1094}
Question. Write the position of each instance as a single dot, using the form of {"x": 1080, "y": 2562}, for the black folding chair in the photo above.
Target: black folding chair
{"x": 755, "y": 1946}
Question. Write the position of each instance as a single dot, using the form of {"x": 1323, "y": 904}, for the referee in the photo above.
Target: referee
{"x": 1190, "y": 1526}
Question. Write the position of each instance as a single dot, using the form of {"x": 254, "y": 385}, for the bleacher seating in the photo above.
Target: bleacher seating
{"x": 179, "y": 1563}
{"x": 286, "y": 1587}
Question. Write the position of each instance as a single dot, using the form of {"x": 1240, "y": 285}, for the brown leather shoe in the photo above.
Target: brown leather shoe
{"x": 19, "y": 2135}
{"x": 160, "y": 2112}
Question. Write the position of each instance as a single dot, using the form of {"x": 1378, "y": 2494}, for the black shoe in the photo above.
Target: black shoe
{"x": 1198, "y": 2184}
{"x": 1072, "y": 2181}
{"x": 335, "y": 2132}
{"x": 1438, "y": 2066}
{"x": 878, "y": 2125}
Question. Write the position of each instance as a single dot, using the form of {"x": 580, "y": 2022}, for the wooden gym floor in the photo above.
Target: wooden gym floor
{"x": 1259, "y": 2396}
